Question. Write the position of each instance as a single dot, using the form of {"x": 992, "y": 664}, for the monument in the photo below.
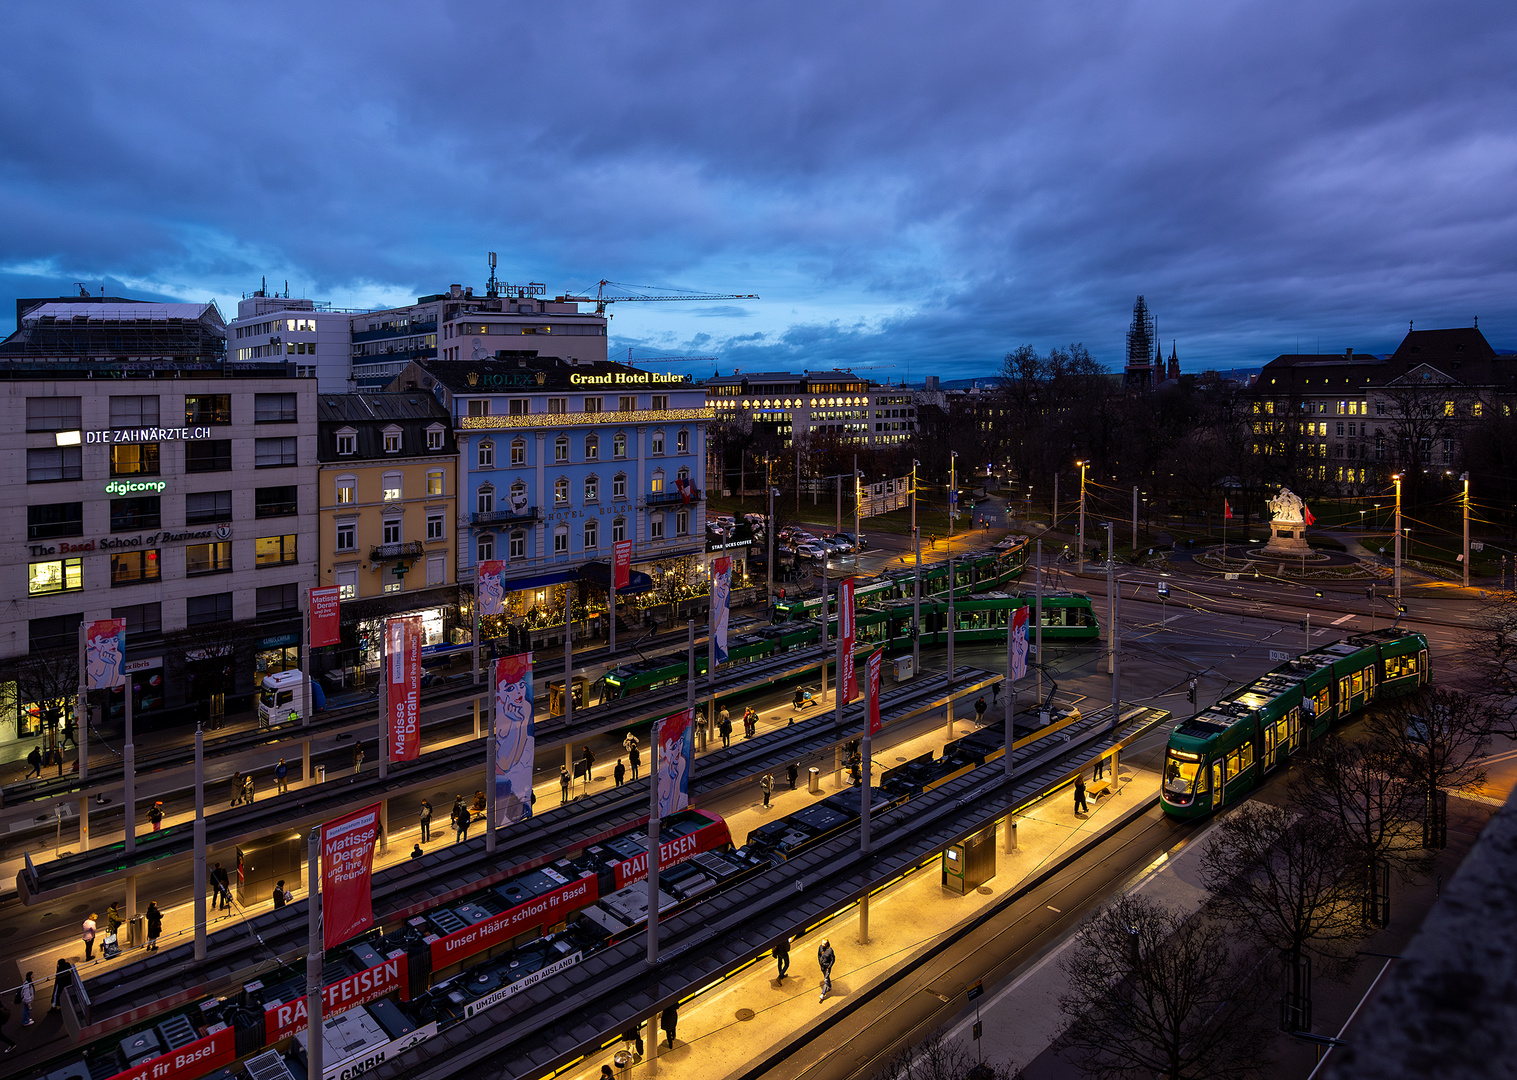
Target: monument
{"x": 1287, "y": 529}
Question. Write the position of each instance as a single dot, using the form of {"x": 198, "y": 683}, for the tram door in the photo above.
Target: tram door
{"x": 1216, "y": 784}
{"x": 1269, "y": 746}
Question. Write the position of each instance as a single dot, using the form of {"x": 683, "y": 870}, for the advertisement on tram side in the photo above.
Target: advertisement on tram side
{"x": 285, "y": 1018}
{"x": 673, "y": 852}
{"x": 214, "y": 1051}
{"x": 542, "y": 910}
{"x": 495, "y": 997}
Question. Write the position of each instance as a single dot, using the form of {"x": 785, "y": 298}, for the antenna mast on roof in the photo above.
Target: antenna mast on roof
{"x": 492, "y": 286}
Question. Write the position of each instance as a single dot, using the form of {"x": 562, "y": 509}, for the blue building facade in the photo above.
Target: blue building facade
{"x": 561, "y": 460}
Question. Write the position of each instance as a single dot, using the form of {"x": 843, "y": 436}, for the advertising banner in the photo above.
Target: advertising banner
{"x": 622, "y": 574}
{"x": 489, "y": 594}
{"x": 403, "y": 685}
{"x": 676, "y": 749}
{"x": 285, "y": 1018}
{"x": 323, "y": 606}
{"x": 347, "y": 862}
{"x": 1019, "y": 620}
{"x": 210, "y": 1052}
{"x": 672, "y": 853}
{"x": 721, "y": 597}
{"x": 105, "y": 654}
{"x": 872, "y": 673}
{"x": 544, "y": 910}
{"x": 846, "y": 682}
{"x": 495, "y": 997}
{"x": 514, "y": 738}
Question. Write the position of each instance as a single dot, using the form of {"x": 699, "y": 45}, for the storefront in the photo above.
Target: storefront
{"x": 370, "y": 632}
{"x": 276, "y": 654}
{"x": 737, "y": 551}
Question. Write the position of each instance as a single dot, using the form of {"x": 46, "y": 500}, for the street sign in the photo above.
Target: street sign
{"x": 976, "y": 988}
{"x": 1278, "y": 657}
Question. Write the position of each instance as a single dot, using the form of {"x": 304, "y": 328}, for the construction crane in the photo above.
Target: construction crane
{"x": 645, "y": 293}
{"x": 667, "y": 359}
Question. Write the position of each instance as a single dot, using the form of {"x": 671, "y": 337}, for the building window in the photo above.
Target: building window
{"x": 54, "y": 463}
{"x": 560, "y": 492}
{"x": 54, "y": 576}
{"x": 208, "y": 558}
{"x": 1448, "y": 408}
{"x": 518, "y": 452}
{"x": 561, "y": 448}
{"x": 393, "y": 487}
{"x": 479, "y": 407}
{"x": 592, "y": 447}
{"x": 142, "y": 620}
{"x": 139, "y": 513}
{"x": 52, "y": 414}
{"x": 682, "y": 523}
{"x": 485, "y": 548}
{"x": 274, "y": 550}
{"x": 520, "y": 406}
{"x": 275, "y": 501}
{"x": 1477, "y": 409}
{"x": 682, "y": 442}
{"x": 277, "y": 599}
{"x": 656, "y": 527}
{"x": 207, "y": 610}
{"x": 486, "y": 457}
{"x": 347, "y": 535}
{"x": 271, "y": 453}
{"x": 51, "y": 520}
{"x": 437, "y": 570}
{"x": 1379, "y": 408}
{"x": 347, "y": 443}
{"x": 660, "y": 402}
{"x": 656, "y": 443}
{"x": 561, "y": 540}
{"x": 134, "y": 411}
{"x": 208, "y": 409}
{"x": 627, "y": 403}
{"x": 131, "y": 567}
{"x": 657, "y": 485}
{"x": 392, "y": 440}
{"x": 592, "y": 534}
{"x": 594, "y": 404}
{"x": 434, "y": 437}
{"x": 619, "y": 486}
{"x": 390, "y": 531}
{"x": 434, "y": 527}
{"x": 134, "y": 459}
{"x": 347, "y": 487}
{"x": 214, "y": 455}
{"x": 558, "y": 405}
{"x": 518, "y": 545}
{"x": 484, "y": 500}
{"x": 619, "y": 445}
{"x": 205, "y": 507}
{"x": 618, "y": 530}
{"x": 435, "y": 482}
{"x": 57, "y": 632}
{"x": 274, "y": 408}
{"x": 592, "y": 489}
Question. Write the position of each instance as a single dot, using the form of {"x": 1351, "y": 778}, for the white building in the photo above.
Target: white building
{"x": 311, "y": 336}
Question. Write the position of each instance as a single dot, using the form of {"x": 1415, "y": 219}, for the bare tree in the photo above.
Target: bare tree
{"x": 1490, "y": 646}
{"x": 48, "y": 680}
{"x": 1154, "y": 993}
{"x": 935, "y": 1058}
{"x": 1438, "y": 739}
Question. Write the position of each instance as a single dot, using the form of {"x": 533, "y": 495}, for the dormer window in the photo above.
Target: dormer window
{"x": 347, "y": 442}
{"x": 392, "y": 439}
{"x": 435, "y": 437}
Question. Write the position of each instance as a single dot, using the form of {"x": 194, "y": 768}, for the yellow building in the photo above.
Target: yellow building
{"x": 389, "y": 516}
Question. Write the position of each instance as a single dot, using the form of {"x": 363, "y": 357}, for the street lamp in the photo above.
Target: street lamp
{"x": 1466, "y": 478}
{"x": 1083, "y": 466}
{"x": 1397, "y": 478}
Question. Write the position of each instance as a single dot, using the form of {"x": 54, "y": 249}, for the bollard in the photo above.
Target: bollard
{"x": 814, "y": 780}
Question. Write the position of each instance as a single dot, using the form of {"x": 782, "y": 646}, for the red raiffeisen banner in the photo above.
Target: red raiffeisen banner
{"x": 195, "y": 1059}
{"x": 846, "y": 680}
{"x": 706, "y": 838}
{"x": 543, "y": 910}
{"x": 872, "y": 674}
{"x": 323, "y": 608}
{"x": 286, "y": 1018}
{"x": 347, "y": 860}
{"x": 403, "y": 673}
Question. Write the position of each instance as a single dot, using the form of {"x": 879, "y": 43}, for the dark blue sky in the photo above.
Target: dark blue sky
{"x": 911, "y": 187}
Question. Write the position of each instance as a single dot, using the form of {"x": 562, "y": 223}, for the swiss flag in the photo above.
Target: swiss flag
{"x": 684, "y": 488}
{"x": 1227, "y": 511}
{"x": 1307, "y": 514}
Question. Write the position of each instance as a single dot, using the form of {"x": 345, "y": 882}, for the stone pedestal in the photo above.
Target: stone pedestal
{"x": 1287, "y": 538}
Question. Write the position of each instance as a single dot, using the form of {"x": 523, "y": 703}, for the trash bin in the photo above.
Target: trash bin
{"x": 321, "y": 774}
{"x": 814, "y": 780}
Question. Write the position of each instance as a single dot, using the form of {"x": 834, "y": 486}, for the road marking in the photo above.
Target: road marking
{"x": 1345, "y": 619}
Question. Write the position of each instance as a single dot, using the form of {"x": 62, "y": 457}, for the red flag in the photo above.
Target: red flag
{"x": 403, "y": 678}
{"x": 323, "y": 607}
{"x": 1227, "y": 511}
{"x": 1307, "y": 514}
{"x": 347, "y": 860}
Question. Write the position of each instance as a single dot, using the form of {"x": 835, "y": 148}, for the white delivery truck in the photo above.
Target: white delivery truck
{"x": 281, "y": 701}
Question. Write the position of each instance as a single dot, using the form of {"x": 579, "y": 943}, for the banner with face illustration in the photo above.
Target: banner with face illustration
{"x": 514, "y": 738}
{"x": 488, "y": 591}
{"x": 721, "y": 593}
{"x": 676, "y": 749}
{"x": 105, "y": 654}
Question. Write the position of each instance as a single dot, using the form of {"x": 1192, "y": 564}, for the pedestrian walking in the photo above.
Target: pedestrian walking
{"x": 282, "y": 776}
{"x": 221, "y": 888}
{"x": 825, "y": 958}
{"x": 1080, "y": 794}
{"x": 60, "y": 983}
{"x": 767, "y": 783}
{"x": 995, "y": 693}
{"x": 28, "y": 994}
{"x": 34, "y": 759}
{"x": 154, "y": 925}
{"x": 460, "y": 819}
{"x": 87, "y": 932}
{"x": 279, "y": 894}
{"x": 635, "y": 759}
{"x": 5, "y": 1018}
{"x": 1100, "y": 769}
{"x": 620, "y": 772}
{"x": 588, "y": 757}
{"x": 782, "y": 956}
{"x": 155, "y": 816}
{"x": 426, "y": 821}
{"x": 791, "y": 772}
{"x": 670, "y": 1020}
{"x": 236, "y": 789}
{"x": 247, "y": 789}
{"x": 564, "y": 780}
{"x": 357, "y": 759}
{"x": 726, "y": 729}
{"x": 724, "y": 719}
{"x": 979, "y": 710}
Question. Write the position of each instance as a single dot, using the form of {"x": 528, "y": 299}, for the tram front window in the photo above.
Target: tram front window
{"x": 1183, "y": 776}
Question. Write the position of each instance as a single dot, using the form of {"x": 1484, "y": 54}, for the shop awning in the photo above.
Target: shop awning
{"x": 540, "y": 581}
{"x": 599, "y": 575}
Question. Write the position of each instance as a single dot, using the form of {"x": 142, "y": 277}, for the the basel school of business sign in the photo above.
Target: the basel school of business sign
{"x": 143, "y": 540}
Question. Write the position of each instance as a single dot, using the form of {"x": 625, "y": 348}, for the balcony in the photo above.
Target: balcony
{"x": 410, "y": 549}
{"x": 505, "y": 517}
{"x": 673, "y": 497}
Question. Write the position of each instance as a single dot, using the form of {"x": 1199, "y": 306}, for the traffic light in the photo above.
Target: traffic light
{"x": 1301, "y": 625}
{"x": 1191, "y": 692}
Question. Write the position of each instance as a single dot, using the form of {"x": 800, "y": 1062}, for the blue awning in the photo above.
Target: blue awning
{"x": 599, "y": 575}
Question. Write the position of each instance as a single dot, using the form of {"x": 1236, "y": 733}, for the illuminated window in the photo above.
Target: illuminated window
{"x": 134, "y": 459}
{"x": 592, "y": 447}
{"x": 619, "y": 445}
{"x": 682, "y": 442}
{"x": 1448, "y": 408}
{"x": 486, "y": 455}
{"x": 58, "y": 575}
{"x": 208, "y": 558}
{"x": 435, "y": 482}
{"x": 657, "y": 485}
{"x": 592, "y": 489}
{"x": 346, "y": 486}
{"x": 131, "y": 567}
{"x": 561, "y": 492}
{"x": 435, "y": 437}
{"x": 393, "y": 489}
{"x": 274, "y": 550}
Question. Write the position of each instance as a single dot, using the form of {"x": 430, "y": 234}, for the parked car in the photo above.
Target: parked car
{"x": 858, "y": 542}
{"x": 839, "y": 543}
{"x": 811, "y": 551}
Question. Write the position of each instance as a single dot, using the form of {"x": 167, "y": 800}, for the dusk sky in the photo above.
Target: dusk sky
{"x": 911, "y": 188}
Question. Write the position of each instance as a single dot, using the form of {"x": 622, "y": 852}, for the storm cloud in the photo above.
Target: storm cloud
{"x": 910, "y": 188}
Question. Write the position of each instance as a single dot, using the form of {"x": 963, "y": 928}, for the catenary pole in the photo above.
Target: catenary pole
{"x": 314, "y": 951}
{"x": 200, "y": 913}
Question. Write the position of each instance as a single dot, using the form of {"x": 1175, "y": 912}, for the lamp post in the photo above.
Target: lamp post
{"x": 1083, "y": 466}
{"x": 1397, "y": 478}
{"x": 769, "y": 530}
{"x": 953, "y": 494}
{"x": 1466, "y": 478}
{"x": 916, "y": 579}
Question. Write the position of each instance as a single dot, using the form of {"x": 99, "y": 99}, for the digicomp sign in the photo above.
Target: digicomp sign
{"x": 128, "y": 487}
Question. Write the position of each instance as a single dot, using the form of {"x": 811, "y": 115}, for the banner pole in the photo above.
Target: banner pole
{"x": 129, "y": 771}
{"x": 492, "y": 774}
{"x": 81, "y": 714}
{"x": 305, "y": 665}
{"x": 569, "y": 664}
{"x": 314, "y": 951}
{"x": 384, "y": 700}
{"x": 200, "y": 913}
{"x": 653, "y": 838}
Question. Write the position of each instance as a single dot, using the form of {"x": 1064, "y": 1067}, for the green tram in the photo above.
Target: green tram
{"x": 1066, "y": 616}
{"x": 1220, "y": 754}
{"x": 985, "y": 572}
